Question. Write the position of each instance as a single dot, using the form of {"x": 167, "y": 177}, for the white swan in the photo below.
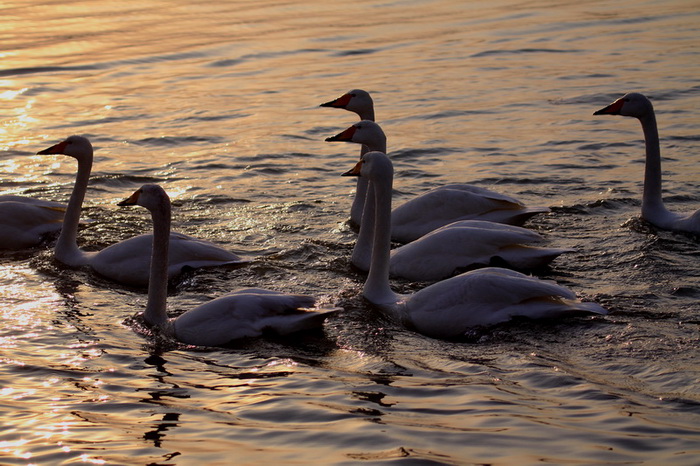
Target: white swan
{"x": 128, "y": 261}
{"x": 653, "y": 209}
{"x": 449, "y": 308}
{"x": 458, "y": 245}
{"x": 24, "y": 220}
{"x": 443, "y": 205}
{"x": 361, "y": 103}
{"x": 244, "y": 313}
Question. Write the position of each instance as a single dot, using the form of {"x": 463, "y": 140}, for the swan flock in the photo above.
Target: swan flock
{"x": 442, "y": 232}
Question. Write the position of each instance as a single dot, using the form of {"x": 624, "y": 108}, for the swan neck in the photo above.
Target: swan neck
{"x": 367, "y": 114}
{"x": 651, "y": 198}
{"x": 358, "y": 202}
{"x": 362, "y": 252}
{"x": 378, "y": 145}
{"x": 377, "y": 289}
{"x": 155, "y": 313}
{"x": 66, "y": 249}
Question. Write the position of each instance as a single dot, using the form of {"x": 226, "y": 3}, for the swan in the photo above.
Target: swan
{"x": 450, "y": 308}
{"x": 244, "y": 313}
{"x": 361, "y": 103}
{"x": 653, "y": 209}
{"x": 442, "y": 205}
{"x": 24, "y": 221}
{"x": 458, "y": 245}
{"x": 126, "y": 262}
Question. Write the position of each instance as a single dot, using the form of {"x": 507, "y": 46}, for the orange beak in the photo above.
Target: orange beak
{"x": 344, "y": 136}
{"x": 340, "y": 102}
{"x": 612, "y": 109}
{"x": 355, "y": 171}
{"x": 131, "y": 200}
{"x": 55, "y": 149}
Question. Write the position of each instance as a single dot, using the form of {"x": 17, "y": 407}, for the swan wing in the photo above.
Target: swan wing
{"x": 32, "y": 201}
{"x": 465, "y": 244}
{"x": 23, "y": 224}
{"x": 248, "y": 313}
{"x": 486, "y": 297}
{"x": 129, "y": 261}
{"x": 447, "y": 204}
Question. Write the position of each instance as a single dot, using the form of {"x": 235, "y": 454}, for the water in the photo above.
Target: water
{"x": 219, "y": 103}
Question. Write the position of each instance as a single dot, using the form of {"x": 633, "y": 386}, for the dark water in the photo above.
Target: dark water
{"x": 219, "y": 104}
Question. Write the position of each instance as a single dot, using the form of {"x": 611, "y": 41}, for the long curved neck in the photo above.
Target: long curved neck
{"x": 362, "y": 252}
{"x": 651, "y": 198}
{"x": 377, "y": 288}
{"x": 361, "y": 192}
{"x": 378, "y": 145}
{"x": 66, "y": 249}
{"x": 155, "y": 313}
{"x": 366, "y": 113}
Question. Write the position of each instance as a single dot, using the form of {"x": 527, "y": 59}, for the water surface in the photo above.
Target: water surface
{"x": 219, "y": 104}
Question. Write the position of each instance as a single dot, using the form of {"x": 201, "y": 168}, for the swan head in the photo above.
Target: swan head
{"x": 150, "y": 196}
{"x": 372, "y": 165}
{"x": 357, "y": 101}
{"x": 78, "y": 147}
{"x": 364, "y": 132}
{"x": 633, "y": 104}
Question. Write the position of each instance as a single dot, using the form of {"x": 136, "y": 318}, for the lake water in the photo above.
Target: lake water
{"x": 219, "y": 104}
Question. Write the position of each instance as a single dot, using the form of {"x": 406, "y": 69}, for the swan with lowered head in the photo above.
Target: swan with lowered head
{"x": 361, "y": 103}
{"x": 24, "y": 221}
{"x": 450, "y": 308}
{"x": 126, "y": 262}
{"x": 653, "y": 209}
{"x": 243, "y": 314}
{"x": 442, "y": 205}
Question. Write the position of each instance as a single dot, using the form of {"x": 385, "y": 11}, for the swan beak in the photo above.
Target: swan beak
{"x": 340, "y": 102}
{"x": 612, "y": 109}
{"x": 131, "y": 200}
{"x": 55, "y": 149}
{"x": 355, "y": 171}
{"x": 344, "y": 136}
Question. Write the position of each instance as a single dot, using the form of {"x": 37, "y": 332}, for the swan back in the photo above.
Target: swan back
{"x": 485, "y": 297}
{"x": 248, "y": 313}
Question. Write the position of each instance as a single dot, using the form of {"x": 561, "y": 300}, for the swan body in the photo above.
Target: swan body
{"x": 24, "y": 221}
{"x": 127, "y": 262}
{"x": 360, "y": 102}
{"x": 450, "y": 308}
{"x": 461, "y": 245}
{"x": 245, "y": 313}
{"x": 442, "y": 205}
{"x": 653, "y": 209}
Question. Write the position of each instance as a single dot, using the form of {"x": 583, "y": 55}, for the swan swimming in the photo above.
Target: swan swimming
{"x": 242, "y": 314}
{"x": 126, "y": 262}
{"x": 442, "y": 205}
{"x": 450, "y": 308}
{"x": 653, "y": 209}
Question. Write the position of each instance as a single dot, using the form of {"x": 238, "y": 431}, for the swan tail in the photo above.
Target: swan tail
{"x": 552, "y": 307}
{"x": 299, "y": 321}
{"x": 530, "y": 257}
